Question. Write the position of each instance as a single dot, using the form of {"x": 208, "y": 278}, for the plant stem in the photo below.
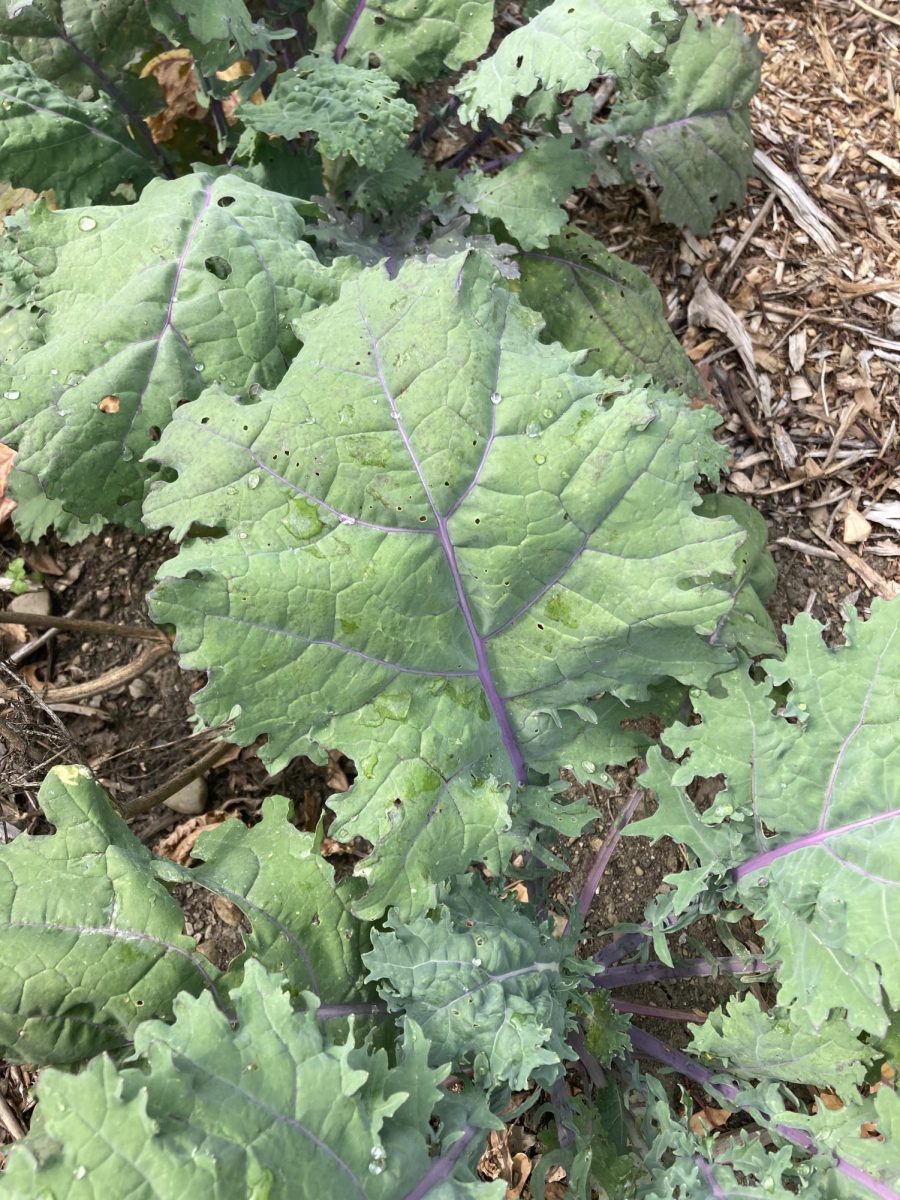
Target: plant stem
{"x": 631, "y": 974}
{"x": 705, "y": 1170}
{"x": 433, "y": 124}
{"x": 592, "y": 1068}
{"x": 135, "y": 120}
{"x": 332, "y": 1012}
{"x": 341, "y": 48}
{"x": 605, "y": 853}
{"x": 652, "y": 1010}
{"x": 470, "y": 148}
{"x": 442, "y": 1168}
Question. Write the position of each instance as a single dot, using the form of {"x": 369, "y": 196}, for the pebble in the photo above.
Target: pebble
{"x": 189, "y": 800}
{"x": 32, "y": 602}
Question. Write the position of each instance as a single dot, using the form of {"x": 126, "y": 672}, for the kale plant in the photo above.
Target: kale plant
{"x": 434, "y": 462}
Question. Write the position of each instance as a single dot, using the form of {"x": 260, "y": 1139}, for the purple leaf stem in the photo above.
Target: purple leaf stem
{"x": 706, "y": 1171}
{"x": 470, "y": 148}
{"x": 652, "y": 1010}
{"x": 433, "y": 124}
{"x": 442, "y": 1168}
{"x": 605, "y": 853}
{"x": 760, "y": 861}
{"x": 562, "y": 1114}
{"x": 646, "y": 1044}
{"x": 341, "y": 48}
{"x": 621, "y": 948}
{"x": 135, "y": 120}
{"x": 631, "y": 974}
{"x": 331, "y": 1012}
{"x": 592, "y": 1068}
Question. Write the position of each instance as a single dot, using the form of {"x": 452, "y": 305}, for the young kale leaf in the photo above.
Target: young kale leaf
{"x": 412, "y": 39}
{"x": 691, "y": 137}
{"x": 807, "y": 831}
{"x": 353, "y": 111}
{"x": 563, "y": 48}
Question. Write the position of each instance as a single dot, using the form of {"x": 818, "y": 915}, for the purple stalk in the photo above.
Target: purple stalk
{"x": 761, "y": 861}
{"x": 443, "y": 1167}
{"x": 634, "y": 973}
{"x": 651, "y": 1047}
{"x": 605, "y": 853}
{"x": 652, "y": 1010}
{"x": 341, "y": 48}
{"x": 470, "y": 148}
{"x": 621, "y": 948}
{"x": 562, "y": 1114}
{"x": 707, "y": 1172}
{"x": 433, "y": 124}
{"x": 331, "y": 1012}
{"x": 134, "y": 119}
{"x": 592, "y": 1068}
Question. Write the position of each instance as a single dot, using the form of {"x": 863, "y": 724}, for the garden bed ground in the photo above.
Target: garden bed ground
{"x": 791, "y": 309}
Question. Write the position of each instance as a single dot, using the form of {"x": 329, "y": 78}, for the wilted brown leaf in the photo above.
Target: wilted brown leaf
{"x": 174, "y": 72}
{"x": 179, "y": 844}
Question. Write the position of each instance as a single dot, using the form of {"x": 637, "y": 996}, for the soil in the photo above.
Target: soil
{"x": 142, "y": 734}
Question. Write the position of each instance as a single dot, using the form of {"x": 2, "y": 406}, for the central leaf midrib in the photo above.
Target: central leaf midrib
{"x": 485, "y": 675}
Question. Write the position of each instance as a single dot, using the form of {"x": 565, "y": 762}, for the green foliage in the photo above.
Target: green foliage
{"x": 563, "y": 48}
{"x": 593, "y": 300}
{"x": 258, "y": 1103}
{"x": 480, "y": 975}
{"x": 377, "y": 583}
{"x": 89, "y": 943}
{"x": 48, "y": 139}
{"x": 527, "y": 196}
{"x": 141, "y": 306}
{"x": 411, "y": 39}
{"x": 691, "y": 136}
{"x": 352, "y": 111}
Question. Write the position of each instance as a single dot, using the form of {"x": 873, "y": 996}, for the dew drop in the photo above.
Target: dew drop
{"x": 345, "y": 520}
{"x": 540, "y": 459}
{"x": 252, "y": 481}
{"x": 54, "y": 370}
{"x": 254, "y": 389}
{"x": 11, "y": 395}
{"x": 589, "y": 766}
{"x": 242, "y": 535}
{"x": 532, "y": 429}
{"x": 375, "y": 1168}
{"x": 79, "y": 1172}
{"x": 231, "y": 491}
{"x": 86, "y": 224}
{"x": 75, "y": 378}
{"x": 476, "y": 962}
{"x": 548, "y": 413}
{"x": 199, "y": 367}
{"x": 379, "y": 1154}
{"x": 496, "y": 397}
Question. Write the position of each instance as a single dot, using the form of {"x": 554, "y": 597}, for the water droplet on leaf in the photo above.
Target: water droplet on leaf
{"x": 11, "y": 395}
{"x": 496, "y": 397}
{"x": 532, "y": 429}
{"x": 199, "y": 366}
{"x": 540, "y": 459}
{"x": 589, "y": 766}
{"x": 252, "y": 481}
{"x": 86, "y": 224}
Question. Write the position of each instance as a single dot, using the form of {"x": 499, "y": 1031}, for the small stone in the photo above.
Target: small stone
{"x": 189, "y": 800}
{"x": 32, "y": 602}
{"x": 138, "y": 688}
